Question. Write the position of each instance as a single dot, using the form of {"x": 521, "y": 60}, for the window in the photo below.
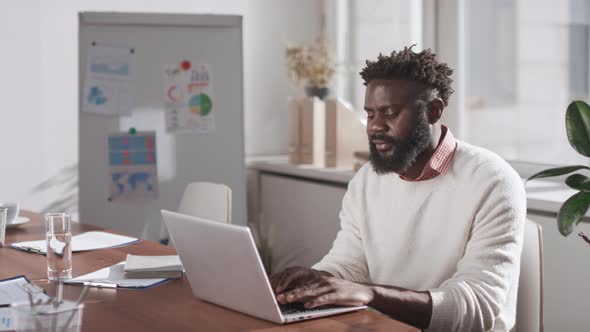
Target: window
{"x": 363, "y": 29}
{"x": 520, "y": 63}
{"x": 524, "y": 63}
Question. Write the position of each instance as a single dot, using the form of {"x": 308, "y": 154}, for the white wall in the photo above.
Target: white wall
{"x": 40, "y": 55}
{"x": 22, "y": 126}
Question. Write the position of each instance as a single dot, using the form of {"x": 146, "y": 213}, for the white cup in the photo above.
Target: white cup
{"x": 12, "y": 211}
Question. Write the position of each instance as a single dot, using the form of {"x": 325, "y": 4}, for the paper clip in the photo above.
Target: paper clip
{"x": 32, "y": 288}
{"x": 31, "y": 249}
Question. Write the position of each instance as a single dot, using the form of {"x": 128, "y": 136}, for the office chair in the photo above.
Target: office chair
{"x": 529, "y": 303}
{"x": 207, "y": 200}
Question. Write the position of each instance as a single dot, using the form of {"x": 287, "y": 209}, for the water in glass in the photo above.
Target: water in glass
{"x": 58, "y": 236}
{"x": 59, "y": 256}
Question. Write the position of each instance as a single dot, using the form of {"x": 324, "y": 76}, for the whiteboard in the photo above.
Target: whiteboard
{"x": 159, "y": 40}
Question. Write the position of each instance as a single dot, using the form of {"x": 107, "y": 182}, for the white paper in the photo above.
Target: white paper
{"x": 133, "y": 167}
{"x": 188, "y": 98}
{"x": 108, "y": 80}
{"x": 7, "y": 320}
{"x": 135, "y": 263}
{"x": 17, "y": 290}
{"x": 82, "y": 242}
{"x": 114, "y": 275}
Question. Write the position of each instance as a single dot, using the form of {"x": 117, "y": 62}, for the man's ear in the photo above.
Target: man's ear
{"x": 435, "y": 109}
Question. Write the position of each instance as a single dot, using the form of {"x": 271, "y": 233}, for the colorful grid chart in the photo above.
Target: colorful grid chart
{"x": 132, "y": 150}
{"x": 133, "y": 165}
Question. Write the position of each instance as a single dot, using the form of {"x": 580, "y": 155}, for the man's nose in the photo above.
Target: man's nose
{"x": 377, "y": 124}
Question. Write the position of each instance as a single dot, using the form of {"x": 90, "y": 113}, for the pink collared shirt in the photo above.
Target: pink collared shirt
{"x": 441, "y": 158}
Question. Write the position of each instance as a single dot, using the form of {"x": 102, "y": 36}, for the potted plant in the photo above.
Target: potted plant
{"x": 312, "y": 66}
{"x": 577, "y": 124}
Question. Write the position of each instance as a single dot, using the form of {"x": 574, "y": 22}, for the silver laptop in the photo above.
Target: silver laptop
{"x": 223, "y": 267}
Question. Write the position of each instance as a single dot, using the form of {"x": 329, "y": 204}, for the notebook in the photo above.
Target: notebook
{"x": 152, "y": 266}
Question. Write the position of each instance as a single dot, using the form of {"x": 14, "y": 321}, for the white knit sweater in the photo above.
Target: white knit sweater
{"x": 458, "y": 235}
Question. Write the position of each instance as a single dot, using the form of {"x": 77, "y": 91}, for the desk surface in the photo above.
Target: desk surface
{"x": 168, "y": 307}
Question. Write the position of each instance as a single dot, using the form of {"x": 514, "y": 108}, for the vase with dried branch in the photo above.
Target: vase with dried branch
{"x": 312, "y": 66}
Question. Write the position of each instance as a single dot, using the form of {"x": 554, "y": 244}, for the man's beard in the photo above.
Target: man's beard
{"x": 405, "y": 151}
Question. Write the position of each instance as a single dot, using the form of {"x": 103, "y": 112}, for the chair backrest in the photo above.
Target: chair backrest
{"x": 529, "y": 305}
{"x": 207, "y": 200}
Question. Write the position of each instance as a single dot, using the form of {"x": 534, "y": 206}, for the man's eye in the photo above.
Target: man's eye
{"x": 370, "y": 115}
{"x": 391, "y": 114}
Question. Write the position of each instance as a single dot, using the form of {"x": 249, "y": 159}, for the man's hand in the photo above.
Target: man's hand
{"x": 295, "y": 277}
{"x": 329, "y": 291}
{"x": 316, "y": 288}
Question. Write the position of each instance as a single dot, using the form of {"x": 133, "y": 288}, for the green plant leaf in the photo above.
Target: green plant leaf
{"x": 556, "y": 171}
{"x": 572, "y": 211}
{"x": 579, "y": 182}
{"x": 577, "y": 125}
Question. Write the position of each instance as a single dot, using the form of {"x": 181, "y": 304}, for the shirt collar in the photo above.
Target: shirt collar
{"x": 440, "y": 160}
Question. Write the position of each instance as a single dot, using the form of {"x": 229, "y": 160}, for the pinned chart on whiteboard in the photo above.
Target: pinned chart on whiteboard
{"x": 108, "y": 80}
{"x": 188, "y": 98}
{"x": 132, "y": 166}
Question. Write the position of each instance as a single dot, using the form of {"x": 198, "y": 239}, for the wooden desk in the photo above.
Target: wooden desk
{"x": 168, "y": 307}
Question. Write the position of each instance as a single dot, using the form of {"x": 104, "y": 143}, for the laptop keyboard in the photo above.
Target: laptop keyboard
{"x": 297, "y": 308}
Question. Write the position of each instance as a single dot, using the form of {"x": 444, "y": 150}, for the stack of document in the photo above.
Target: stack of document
{"x": 152, "y": 266}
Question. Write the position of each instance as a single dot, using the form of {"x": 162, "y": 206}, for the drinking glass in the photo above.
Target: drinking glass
{"x": 59, "y": 247}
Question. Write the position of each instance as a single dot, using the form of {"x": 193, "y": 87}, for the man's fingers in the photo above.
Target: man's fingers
{"x": 290, "y": 276}
{"x": 293, "y": 277}
{"x": 297, "y": 278}
{"x": 336, "y": 298}
{"x": 333, "y": 298}
{"x": 283, "y": 282}
{"x": 299, "y": 290}
{"x": 309, "y": 286}
{"x": 307, "y": 294}
{"x": 277, "y": 279}
{"x": 274, "y": 279}
{"x": 278, "y": 285}
{"x": 325, "y": 299}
